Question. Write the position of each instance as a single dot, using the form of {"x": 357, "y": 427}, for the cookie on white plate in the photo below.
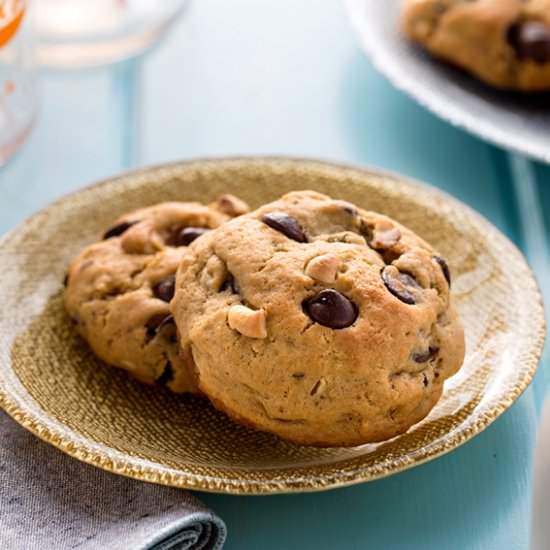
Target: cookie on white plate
{"x": 505, "y": 43}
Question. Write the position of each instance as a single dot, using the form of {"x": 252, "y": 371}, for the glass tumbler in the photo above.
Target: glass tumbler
{"x": 88, "y": 33}
{"x": 18, "y": 77}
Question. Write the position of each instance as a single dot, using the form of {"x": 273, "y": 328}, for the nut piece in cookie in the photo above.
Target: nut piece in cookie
{"x": 119, "y": 289}
{"x": 247, "y": 321}
{"x": 324, "y": 268}
{"x": 230, "y": 205}
{"x": 318, "y": 321}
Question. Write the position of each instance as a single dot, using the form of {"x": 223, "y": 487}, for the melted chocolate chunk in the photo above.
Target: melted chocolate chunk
{"x": 156, "y": 323}
{"x": 165, "y": 289}
{"x": 425, "y": 356}
{"x": 230, "y": 284}
{"x": 331, "y": 309}
{"x": 167, "y": 374}
{"x": 399, "y": 284}
{"x": 167, "y": 321}
{"x": 118, "y": 229}
{"x": 75, "y": 320}
{"x": 531, "y": 40}
{"x": 188, "y": 234}
{"x": 286, "y": 225}
{"x": 444, "y": 267}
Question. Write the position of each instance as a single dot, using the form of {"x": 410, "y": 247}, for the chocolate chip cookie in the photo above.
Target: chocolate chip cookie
{"x": 317, "y": 321}
{"x": 505, "y": 43}
{"x": 118, "y": 290}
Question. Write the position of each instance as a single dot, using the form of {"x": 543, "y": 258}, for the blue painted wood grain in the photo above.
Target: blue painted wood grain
{"x": 260, "y": 77}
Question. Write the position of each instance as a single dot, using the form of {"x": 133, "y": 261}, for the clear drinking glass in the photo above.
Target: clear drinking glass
{"x": 18, "y": 79}
{"x": 84, "y": 33}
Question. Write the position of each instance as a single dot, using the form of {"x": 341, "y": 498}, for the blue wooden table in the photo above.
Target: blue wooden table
{"x": 285, "y": 77}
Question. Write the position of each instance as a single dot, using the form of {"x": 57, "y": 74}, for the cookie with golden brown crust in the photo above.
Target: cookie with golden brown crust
{"x": 118, "y": 289}
{"x": 317, "y": 321}
{"x": 505, "y": 43}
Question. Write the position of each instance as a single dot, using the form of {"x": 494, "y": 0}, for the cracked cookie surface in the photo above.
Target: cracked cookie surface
{"x": 317, "y": 321}
{"x": 118, "y": 290}
{"x": 505, "y": 43}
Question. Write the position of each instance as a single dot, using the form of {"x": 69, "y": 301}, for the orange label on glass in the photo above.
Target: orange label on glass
{"x": 11, "y": 15}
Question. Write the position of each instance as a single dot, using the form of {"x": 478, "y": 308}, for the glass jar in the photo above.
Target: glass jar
{"x": 18, "y": 77}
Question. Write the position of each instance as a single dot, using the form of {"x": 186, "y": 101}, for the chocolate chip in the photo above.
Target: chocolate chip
{"x": 331, "y": 309}
{"x": 118, "y": 229}
{"x": 366, "y": 230}
{"x": 286, "y": 225}
{"x": 531, "y": 40}
{"x": 113, "y": 291}
{"x": 165, "y": 289}
{"x": 167, "y": 321}
{"x": 230, "y": 284}
{"x": 188, "y": 234}
{"x": 75, "y": 320}
{"x": 350, "y": 209}
{"x": 156, "y": 323}
{"x": 444, "y": 267}
{"x": 425, "y": 356}
{"x": 399, "y": 284}
{"x": 168, "y": 329}
{"x": 167, "y": 374}
{"x": 66, "y": 280}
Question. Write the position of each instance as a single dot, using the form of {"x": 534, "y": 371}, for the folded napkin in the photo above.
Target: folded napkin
{"x": 53, "y": 502}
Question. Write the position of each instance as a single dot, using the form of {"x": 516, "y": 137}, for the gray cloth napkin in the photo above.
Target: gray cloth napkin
{"x": 49, "y": 501}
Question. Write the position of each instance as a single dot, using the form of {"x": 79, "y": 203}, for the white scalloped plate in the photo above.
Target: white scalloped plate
{"x": 519, "y": 122}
